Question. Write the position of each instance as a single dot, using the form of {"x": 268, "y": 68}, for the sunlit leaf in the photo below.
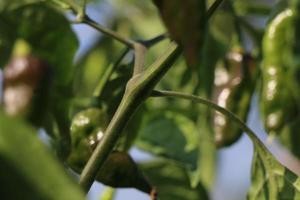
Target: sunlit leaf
{"x": 270, "y": 179}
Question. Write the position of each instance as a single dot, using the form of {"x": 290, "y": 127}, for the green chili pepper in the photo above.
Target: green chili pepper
{"x": 279, "y": 73}
{"x": 87, "y": 129}
{"x": 119, "y": 170}
{"x": 233, "y": 90}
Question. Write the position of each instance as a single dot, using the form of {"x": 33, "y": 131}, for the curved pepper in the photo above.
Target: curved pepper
{"x": 233, "y": 90}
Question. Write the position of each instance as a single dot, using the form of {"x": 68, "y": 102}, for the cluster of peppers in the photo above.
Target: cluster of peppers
{"x": 27, "y": 82}
{"x": 279, "y": 78}
{"x": 280, "y": 98}
{"x": 119, "y": 170}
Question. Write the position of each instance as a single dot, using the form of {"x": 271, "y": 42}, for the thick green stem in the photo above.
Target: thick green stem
{"x": 137, "y": 90}
{"x": 153, "y": 41}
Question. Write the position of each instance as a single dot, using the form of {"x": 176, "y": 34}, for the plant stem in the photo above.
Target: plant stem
{"x": 140, "y": 51}
{"x": 87, "y": 20}
{"x": 83, "y": 9}
{"x": 213, "y": 8}
{"x": 214, "y": 106}
{"x": 153, "y": 41}
{"x": 138, "y": 89}
{"x": 107, "y": 74}
{"x": 139, "y": 60}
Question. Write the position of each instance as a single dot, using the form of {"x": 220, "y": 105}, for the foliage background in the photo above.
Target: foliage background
{"x": 233, "y": 170}
{"x": 234, "y": 163}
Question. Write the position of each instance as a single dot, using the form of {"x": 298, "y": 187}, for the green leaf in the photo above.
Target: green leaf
{"x": 185, "y": 21}
{"x": 270, "y": 179}
{"x": 290, "y": 136}
{"x": 222, "y": 29}
{"x": 49, "y": 34}
{"x": 7, "y": 37}
{"x": 170, "y": 135}
{"x": 91, "y": 68}
{"x": 172, "y": 182}
{"x": 13, "y": 4}
{"x": 251, "y": 8}
{"x": 28, "y": 170}
{"x": 173, "y": 136}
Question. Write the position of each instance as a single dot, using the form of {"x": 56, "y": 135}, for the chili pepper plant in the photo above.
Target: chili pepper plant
{"x": 172, "y": 78}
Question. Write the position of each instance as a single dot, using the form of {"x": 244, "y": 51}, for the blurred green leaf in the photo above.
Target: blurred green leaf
{"x": 277, "y": 8}
{"x": 91, "y": 67}
{"x": 172, "y": 182}
{"x": 173, "y": 136}
{"x": 222, "y": 29}
{"x": 13, "y": 4}
{"x": 7, "y": 37}
{"x": 28, "y": 170}
{"x": 290, "y": 136}
{"x": 185, "y": 21}
{"x": 49, "y": 34}
{"x": 251, "y": 8}
{"x": 213, "y": 50}
{"x": 270, "y": 179}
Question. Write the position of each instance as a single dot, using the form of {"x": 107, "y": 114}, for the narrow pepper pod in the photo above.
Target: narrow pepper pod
{"x": 233, "y": 90}
{"x": 278, "y": 99}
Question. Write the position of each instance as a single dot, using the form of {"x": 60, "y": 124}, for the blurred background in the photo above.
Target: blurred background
{"x": 140, "y": 20}
{"x": 234, "y": 163}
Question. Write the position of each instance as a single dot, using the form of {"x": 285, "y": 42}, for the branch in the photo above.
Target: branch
{"x": 140, "y": 50}
{"x": 149, "y": 43}
{"x": 87, "y": 20}
{"x": 138, "y": 89}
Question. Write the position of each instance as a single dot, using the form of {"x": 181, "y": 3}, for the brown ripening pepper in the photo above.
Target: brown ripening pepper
{"x": 27, "y": 80}
{"x": 233, "y": 90}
